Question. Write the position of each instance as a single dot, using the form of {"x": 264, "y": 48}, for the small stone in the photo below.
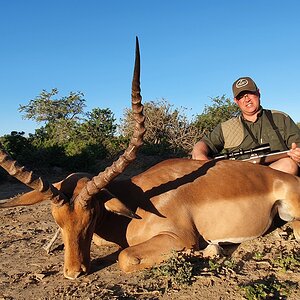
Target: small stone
{"x": 40, "y": 276}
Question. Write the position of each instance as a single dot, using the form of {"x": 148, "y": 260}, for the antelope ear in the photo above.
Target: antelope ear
{"x": 113, "y": 204}
{"x": 116, "y": 206}
{"x": 29, "y": 198}
{"x": 25, "y": 199}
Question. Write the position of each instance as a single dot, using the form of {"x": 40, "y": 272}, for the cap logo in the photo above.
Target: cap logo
{"x": 241, "y": 83}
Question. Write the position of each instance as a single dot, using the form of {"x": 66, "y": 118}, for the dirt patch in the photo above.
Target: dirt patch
{"x": 270, "y": 264}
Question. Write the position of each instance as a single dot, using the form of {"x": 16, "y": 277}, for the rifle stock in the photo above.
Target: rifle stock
{"x": 267, "y": 158}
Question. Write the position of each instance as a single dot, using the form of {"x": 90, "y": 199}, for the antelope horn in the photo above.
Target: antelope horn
{"x": 29, "y": 178}
{"x": 102, "y": 179}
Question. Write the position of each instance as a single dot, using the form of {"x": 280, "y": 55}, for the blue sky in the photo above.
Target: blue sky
{"x": 191, "y": 51}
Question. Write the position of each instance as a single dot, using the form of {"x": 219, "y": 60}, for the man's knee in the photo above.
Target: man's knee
{"x": 286, "y": 165}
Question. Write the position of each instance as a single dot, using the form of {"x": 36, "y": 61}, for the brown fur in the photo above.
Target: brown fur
{"x": 182, "y": 203}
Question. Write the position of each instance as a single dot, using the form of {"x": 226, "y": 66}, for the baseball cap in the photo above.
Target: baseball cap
{"x": 243, "y": 84}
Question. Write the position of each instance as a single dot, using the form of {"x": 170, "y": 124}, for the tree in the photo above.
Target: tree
{"x": 61, "y": 116}
{"x": 45, "y": 109}
{"x": 18, "y": 146}
{"x": 167, "y": 129}
{"x": 221, "y": 110}
{"x": 99, "y": 125}
{"x": 95, "y": 135}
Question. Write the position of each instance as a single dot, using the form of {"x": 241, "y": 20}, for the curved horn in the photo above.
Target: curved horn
{"x": 102, "y": 179}
{"x": 29, "y": 178}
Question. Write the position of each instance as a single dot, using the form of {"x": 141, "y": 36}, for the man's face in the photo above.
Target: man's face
{"x": 248, "y": 102}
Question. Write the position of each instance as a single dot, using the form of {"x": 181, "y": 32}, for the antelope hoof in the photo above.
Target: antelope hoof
{"x": 73, "y": 274}
{"x": 212, "y": 251}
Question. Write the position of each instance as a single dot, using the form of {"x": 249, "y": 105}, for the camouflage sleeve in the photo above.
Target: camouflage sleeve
{"x": 214, "y": 140}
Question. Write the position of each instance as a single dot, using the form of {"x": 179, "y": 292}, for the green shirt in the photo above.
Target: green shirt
{"x": 237, "y": 136}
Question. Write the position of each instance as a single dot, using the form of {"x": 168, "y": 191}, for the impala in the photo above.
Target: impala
{"x": 177, "y": 204}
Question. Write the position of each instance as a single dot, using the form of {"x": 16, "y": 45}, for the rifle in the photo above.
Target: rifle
{"x": 258, "y": 155}
{"x": 268, "y": 158}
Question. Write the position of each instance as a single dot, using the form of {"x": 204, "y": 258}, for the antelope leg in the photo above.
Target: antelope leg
{"x": 149, "y": 253}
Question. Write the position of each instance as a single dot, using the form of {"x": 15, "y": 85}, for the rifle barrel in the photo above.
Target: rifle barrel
{"x": 264, "y": 148}
{"x": 267, "y": 158}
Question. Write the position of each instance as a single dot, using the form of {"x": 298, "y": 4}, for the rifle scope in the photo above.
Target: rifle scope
{"x": 264, "y": 148}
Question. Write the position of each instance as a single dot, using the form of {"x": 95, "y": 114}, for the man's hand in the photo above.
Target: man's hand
{"x": 294, "y": 153}
{"x": 200, "y": 151}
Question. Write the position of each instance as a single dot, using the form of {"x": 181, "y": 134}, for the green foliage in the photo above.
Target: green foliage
{"x": 220, "y": 265}
{"x": 214, "y": 266}
{"x": 182, "y": 268}
{"x": 221, "y": 110}
{"x": 269, "y": 288}
{"x": 48, "y": 157}
{"x": 61, "y": 116}
{"x": 45, "y": 109}
{"x": 287, "y": 262}
{"x": 177, "y": 270}
{"x": 18, "y": 146}
{"x": 73, "y": 139}
{"x": 70, "y": 138}
{"x": 98, "y": 126}
{"x": 258, "y": 256}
